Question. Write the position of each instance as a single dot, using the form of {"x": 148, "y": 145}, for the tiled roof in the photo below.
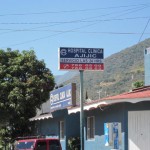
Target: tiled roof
{"x": 135, "y": 96}
{"x": 143, "y": 92}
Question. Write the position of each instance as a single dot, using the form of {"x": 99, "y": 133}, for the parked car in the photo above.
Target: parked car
{"x": 38, "y": 144}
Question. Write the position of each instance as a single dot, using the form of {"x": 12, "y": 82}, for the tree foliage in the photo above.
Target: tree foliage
{"x": 138, "y": 84}
{"x": 25, "y": 83}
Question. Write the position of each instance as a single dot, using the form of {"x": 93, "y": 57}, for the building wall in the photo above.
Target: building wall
{"x": 50, "y": 127}
{"x": 147, "y": 66}
{"x": 114, "y": 113}
{"x": 72, "y": 126}
{"x": 141, "y": 106}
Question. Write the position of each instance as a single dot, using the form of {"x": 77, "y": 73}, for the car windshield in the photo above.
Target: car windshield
{"x": 28, "y": 145}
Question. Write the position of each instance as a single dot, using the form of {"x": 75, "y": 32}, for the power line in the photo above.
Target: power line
{"x": 78, "y": 20}
{"x": 56, "y": 24}
{"x": 71, "y": 11}
{"x": 71, "y": 30}
{"x": 144, "y": 29}
{"x": 52, "y": 35}
{"x": 75, "y": 21}
{"x": 86, "y": 32}
{"x": 132, "y": 10}
{"x": 84, "y": 19}
{"x": 68, "y": 31}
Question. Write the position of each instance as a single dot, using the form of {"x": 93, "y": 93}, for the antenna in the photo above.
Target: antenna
{"x": 99, "y": 92}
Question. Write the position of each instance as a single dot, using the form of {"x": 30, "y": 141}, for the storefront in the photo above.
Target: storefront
{"x": 120, "y": 122}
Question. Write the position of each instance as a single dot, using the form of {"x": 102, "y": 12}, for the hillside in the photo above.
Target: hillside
{"x": 59, "y": 79}
{"x": 121, "y": 70}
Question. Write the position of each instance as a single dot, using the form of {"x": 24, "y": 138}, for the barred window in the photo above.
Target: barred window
{"x": 90, "y": 127}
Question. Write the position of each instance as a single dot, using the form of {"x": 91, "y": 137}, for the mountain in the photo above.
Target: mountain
{"x": 60, "y": 79}
{"x": 122, "y": 69}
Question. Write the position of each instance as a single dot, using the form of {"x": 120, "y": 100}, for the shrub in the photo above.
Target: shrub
{"x": 74, "y": 143}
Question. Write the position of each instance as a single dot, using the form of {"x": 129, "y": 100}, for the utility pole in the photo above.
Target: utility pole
{"x": 81, "y": 111}
{"x": 99, "y": 92}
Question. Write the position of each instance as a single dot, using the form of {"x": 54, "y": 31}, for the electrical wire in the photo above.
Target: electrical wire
{"x": 144, "y": 30}
{"x": 81, "y": 20}
{"x": 86, "y": 32}
{"x": 72, "y": 11}
{"x": 74, "y": 21}
{"x": 74, "y": 29}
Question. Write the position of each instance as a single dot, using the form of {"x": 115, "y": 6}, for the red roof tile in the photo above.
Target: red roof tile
{"x": 135, "y": 96}
{"x": 143, "y": 92}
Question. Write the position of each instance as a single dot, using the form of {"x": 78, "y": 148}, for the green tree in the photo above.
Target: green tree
{"x": 138, "y": 84}
{"x": 25, "y": 83}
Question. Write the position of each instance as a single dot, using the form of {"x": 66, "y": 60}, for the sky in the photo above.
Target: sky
{"x": 46, "y": 25}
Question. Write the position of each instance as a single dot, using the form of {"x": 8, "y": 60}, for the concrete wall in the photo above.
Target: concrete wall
{"x": 114, "y": 113}
{"x": 147, "y": 66}
{"x": 50, "y": 127}
{"x": 134, "y": 107}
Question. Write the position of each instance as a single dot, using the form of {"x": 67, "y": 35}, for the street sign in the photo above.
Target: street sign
{"x": 81, "y": 58}
{"x": 63, "y": 97}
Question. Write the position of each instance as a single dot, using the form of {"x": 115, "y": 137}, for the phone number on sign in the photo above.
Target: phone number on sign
{"x": 82, "y": 66}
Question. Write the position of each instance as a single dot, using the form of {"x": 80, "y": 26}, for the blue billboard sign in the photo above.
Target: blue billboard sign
{"x": 63, "y": 97}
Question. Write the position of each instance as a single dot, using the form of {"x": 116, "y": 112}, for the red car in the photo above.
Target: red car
{"x": 38, "y": 144}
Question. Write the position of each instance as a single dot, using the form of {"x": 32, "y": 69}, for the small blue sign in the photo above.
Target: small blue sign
{"x": 116, "y": 137}
{"x": 106, "y": 133}
{"x": 63, "y": 97}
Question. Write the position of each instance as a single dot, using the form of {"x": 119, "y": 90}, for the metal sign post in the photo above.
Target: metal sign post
{"x": 73, "y": 58}
{"x": 81, "y": 111}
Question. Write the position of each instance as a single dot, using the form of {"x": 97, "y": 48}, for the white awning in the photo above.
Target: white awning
{"x": 105, "y": 103}
{"x": 40, "y": 117}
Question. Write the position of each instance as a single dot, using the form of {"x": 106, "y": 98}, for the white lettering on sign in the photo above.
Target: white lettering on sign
{"x": 76, "y": 50}
{"x": 99, "y": 51}
{"x": 54, "y": 98}
{"x": 84, "y": 50}
{"x": 80, "y": 60}
{"x": 62, "y": 95}
{"x": 85, "y": 55}
{"x": 68, "y": 93}
{"x": 63, "y": 52}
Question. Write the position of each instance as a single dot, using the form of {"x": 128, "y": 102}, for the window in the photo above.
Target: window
{"x": 41, "y": 145}
{"x": 54, "y": 145}
{"x": 90, "y": 127}
{"x": 62, "y": 130}
{"x": 25, "y": 145}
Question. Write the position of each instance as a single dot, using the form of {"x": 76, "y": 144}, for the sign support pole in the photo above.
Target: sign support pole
{"x": 73, "y": 58}
{"x": 81, "y": 112}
